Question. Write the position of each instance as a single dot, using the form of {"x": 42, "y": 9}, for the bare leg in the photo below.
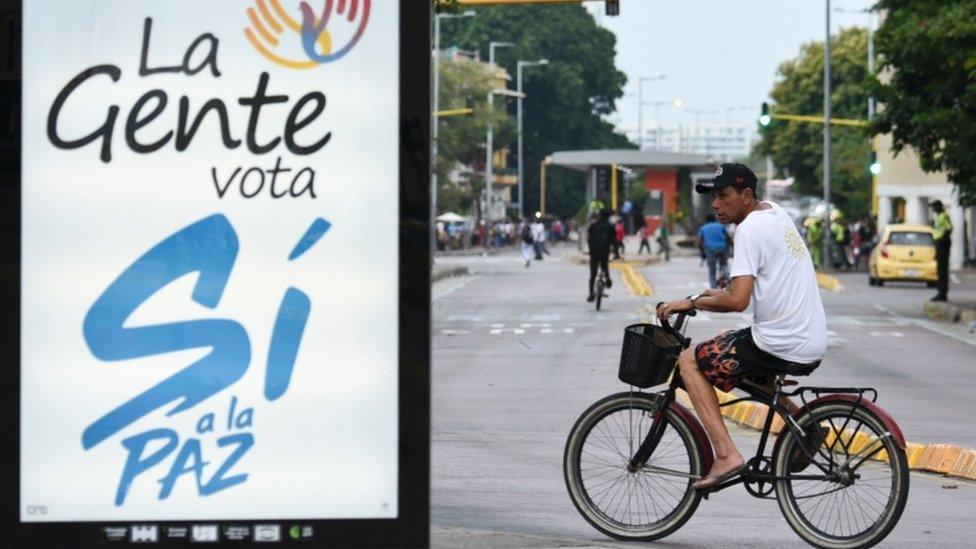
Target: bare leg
{"x": 727, "y": 456}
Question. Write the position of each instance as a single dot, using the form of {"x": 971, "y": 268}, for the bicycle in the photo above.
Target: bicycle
{"x": 838, "y": 469}
{"x": 602, "y": 283}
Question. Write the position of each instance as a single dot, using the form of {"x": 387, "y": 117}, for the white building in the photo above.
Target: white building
{"x": 722, "y": 143}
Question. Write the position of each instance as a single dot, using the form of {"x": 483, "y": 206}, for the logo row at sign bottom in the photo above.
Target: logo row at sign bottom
{"x": 212, "y": 533}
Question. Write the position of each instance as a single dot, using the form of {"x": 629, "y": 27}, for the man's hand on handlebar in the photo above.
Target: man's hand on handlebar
{"x": 664, "y": 310}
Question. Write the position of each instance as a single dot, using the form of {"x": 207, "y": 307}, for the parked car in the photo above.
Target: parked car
{"x": 905, "y": 252}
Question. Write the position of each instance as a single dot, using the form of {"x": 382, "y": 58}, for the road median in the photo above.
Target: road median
{"x": 946, "y": 459}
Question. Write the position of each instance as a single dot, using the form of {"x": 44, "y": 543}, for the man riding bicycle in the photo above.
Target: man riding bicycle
{"x": 599, "y": 238}
{"x": 772, "y": 268}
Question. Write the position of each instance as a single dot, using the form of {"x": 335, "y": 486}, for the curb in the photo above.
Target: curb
{"x": 439, "y": 274}
{"x": 829, "y": 282}
{"x": 945, "y": 459}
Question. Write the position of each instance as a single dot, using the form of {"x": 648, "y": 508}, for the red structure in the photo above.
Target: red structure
{"x": 664, "y": 182}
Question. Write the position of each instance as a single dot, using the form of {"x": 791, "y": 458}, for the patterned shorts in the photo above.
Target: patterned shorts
{"x": 731, "y": 357}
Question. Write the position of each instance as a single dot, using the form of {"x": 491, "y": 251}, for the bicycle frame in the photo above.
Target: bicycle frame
{"x": 754, "y": 474}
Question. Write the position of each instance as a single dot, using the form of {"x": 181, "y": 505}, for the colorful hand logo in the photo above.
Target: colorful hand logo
{"x": 270, "y": 20}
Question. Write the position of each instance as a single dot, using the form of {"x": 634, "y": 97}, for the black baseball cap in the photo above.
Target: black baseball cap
{"x": 729, "y": 174}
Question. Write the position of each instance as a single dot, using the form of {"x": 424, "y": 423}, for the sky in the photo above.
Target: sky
{"x": 716, "y": 55}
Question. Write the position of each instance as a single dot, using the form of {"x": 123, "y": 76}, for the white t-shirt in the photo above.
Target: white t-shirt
{"x": 789, "y": 318}
{"x": 538, "y": 232}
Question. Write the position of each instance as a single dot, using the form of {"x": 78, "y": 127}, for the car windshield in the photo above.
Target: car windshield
{"x": 907, "y": 238}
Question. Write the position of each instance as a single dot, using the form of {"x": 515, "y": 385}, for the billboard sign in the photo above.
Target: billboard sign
{"x": 211, "y": 212}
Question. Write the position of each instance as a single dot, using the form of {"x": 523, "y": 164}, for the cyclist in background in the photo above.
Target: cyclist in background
{"x": 599, "y": 238}
{"x": 772, "y": 268}
{"x": 712, "y": 238}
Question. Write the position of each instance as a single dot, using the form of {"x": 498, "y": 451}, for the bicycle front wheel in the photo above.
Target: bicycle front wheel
{"x": 645, "y": 504}
{"x": 863, "y": 484}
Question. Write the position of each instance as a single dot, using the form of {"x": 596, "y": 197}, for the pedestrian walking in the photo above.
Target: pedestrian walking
{"x": 619, "y": 231}
{"x": 526, "y": 241}
{"x": 942, "y": 233}
{"x": 662, "y": 240}
{"x": 642, "y": 233}
{"x": 539, "y": 239}
{"x": 712, "y": 237}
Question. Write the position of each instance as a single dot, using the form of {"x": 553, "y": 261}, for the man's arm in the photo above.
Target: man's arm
{"x": 733, "y": 301}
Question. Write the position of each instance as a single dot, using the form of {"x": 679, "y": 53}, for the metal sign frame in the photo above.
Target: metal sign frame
{"x": 411, "y": 527}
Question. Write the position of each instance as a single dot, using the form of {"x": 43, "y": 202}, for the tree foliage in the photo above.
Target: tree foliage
{"x": 927, "y": 55}
{"x": 566, "y": 100}
{"x": 797, "y": 147}
{"x": 461, "y": 139}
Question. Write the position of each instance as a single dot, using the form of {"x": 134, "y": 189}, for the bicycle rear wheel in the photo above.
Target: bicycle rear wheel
{"x": 865, "y": 479}
{"x": 646, "y": 504}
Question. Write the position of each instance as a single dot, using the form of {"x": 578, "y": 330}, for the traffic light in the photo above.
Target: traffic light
{"x": 764, "y": 118}
{"x": 612, "y": 7}
{"x": 873, "y": 165}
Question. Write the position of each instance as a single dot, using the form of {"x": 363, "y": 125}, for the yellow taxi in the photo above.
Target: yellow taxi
{"x": 905, "y": 252}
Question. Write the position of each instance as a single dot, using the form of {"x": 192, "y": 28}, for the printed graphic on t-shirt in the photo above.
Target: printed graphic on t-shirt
{"x": 793, "y": 241}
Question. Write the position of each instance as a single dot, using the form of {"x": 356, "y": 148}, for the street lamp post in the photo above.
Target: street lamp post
{"x": 433, "y": 119}
{"x": 826, "y": 134}
{"x": 491, "y": 101}
{"x": 518, "y": 71}
{"x": 874, "y": 168}
{"x": 640, "y": 106}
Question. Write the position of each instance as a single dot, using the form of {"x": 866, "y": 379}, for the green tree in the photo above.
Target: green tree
{"x": 461, "y": 139}
{"x": 797, "y": 147}
{"x": 566, "y": 100}
{"x": 927, "y": 55}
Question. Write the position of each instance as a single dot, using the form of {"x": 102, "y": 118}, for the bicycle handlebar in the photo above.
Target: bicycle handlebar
{"x": 678, "y": 324}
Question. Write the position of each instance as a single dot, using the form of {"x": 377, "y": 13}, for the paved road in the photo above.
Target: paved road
{"x": 518, "y": 354}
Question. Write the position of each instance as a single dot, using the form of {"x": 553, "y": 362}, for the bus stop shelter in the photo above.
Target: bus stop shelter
{"x": 665, "y": 175}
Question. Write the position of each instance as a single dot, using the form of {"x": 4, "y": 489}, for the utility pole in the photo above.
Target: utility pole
{"x": 491, "y": 101}
{"x": 640, "y": 106}
{"x": 826, "y": 133}
{"x": 518, "y": 79}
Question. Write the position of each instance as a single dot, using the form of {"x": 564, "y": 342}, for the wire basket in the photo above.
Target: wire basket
{"x": 649, "y": 355}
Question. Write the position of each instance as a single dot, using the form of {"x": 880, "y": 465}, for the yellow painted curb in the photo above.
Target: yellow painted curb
{"x": 946, "y": 459}
{"x": 829, "y": 282}
{"x": 633, "y": 279}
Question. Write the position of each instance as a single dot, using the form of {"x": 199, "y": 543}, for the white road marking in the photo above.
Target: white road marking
{"x": 518, "y": 331}
{"x": 495, "y": 332}
{"x": 453, "y": 332}
{"x": 465, "y": 318}
{"x": 463, "y": 282}
{"x": 546, "y": 331}
{"x": 497, "y": 325}
{"x": 568, "y": 330}
{"x": 541, "y": 318}
{"x": 928, "y": 325}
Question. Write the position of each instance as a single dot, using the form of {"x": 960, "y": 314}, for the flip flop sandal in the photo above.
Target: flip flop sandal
{"x": 718, "y": 479}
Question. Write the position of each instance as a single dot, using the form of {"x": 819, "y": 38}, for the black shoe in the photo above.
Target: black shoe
{"x": 609, "y": 283}
{"x": 939, "y": 298}
{"x": 591, "y": 299}
{"x": 812, "y": 442}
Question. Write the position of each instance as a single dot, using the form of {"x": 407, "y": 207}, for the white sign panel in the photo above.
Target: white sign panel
{"x": 209, "y": 260}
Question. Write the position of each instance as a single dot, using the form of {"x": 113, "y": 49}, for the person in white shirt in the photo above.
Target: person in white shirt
{"x": 772, "y": 268}
{"x": 539, "y": 237}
